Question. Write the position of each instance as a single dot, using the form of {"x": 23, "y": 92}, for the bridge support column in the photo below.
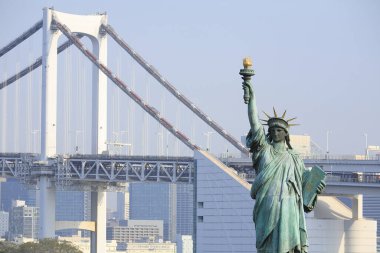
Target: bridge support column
{"x": 99, "y": 97}
{"x": 47, "y": 208}
{"x": 49, "y": 88}
{"x": 357, "y": 207}
{"x": 99, "y": 215}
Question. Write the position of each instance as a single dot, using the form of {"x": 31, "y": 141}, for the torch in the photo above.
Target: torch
{"x": 246, "y": 74}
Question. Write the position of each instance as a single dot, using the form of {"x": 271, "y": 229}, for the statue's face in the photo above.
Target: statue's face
{"x": 278, "y": 134}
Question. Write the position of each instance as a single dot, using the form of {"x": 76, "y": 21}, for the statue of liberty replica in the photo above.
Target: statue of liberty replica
{"x": 283, "y": 188}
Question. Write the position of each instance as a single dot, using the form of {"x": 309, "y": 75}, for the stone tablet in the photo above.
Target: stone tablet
{"x": 311, "y": 180}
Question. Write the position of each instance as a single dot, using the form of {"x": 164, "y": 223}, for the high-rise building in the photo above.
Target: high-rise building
{"x": 72, "y": 206}
{"x": 155, "y": 201}
{"x": 4, "y": 223}
{"x": 123, "y": 205}
{"x": 185, "y": 209}
{"x": 23, "y": 220}
{"x": 13, "y": 189}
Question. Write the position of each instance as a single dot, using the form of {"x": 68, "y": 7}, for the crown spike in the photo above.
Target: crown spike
{"x": 264, "y": 120}
{"x": 291, "y": 119}
{"x": 294, "y": 125}
{"x": 275, "y": 113}
{"x": 266, "y": 114}
{"x": 283, "y": 115}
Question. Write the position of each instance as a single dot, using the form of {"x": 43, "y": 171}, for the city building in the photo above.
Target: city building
{"x": 12, "y": 189}
{"x": 83, "y": 243}
{"x": 4, "y": 223}
{"x": 123, "y": 205}
{"x": 301, "y": 143}
{"x": 111, "y": 246}
{"x": 185, "y": 209}
{"x": 23, "y": 220}
{"x": 184, "y": 244}
{"x": 72, "y": 206}
{"x": 135, "y": 231}
{"x": 155, "y": 201}
{"x": 165, "y": 247}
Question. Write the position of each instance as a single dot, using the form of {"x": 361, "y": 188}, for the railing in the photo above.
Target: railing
{"x": 342, "y": 157}
{"x": 339, "y": 176}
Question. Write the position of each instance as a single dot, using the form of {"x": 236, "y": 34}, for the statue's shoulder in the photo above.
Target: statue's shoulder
{"x": 294, "y": 153}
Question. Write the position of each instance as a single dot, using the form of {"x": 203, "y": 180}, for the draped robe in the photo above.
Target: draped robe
{"x": 278, "y": 213}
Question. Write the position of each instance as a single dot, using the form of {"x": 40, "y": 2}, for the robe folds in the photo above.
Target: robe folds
{"x": 278, "y": 213}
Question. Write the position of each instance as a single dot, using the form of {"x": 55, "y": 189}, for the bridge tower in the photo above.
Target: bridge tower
{"x": 90, "y": 26}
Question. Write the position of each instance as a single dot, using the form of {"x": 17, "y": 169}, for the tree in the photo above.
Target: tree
{"x": 43, "y": 246}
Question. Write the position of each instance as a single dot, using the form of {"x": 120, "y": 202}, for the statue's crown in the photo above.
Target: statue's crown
{"x": 278, "y": 121}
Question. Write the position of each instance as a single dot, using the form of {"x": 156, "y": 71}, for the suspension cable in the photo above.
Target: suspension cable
{"x": 149, "y": 109}
{"x": 21, "y": 38}
{"x": 151, "y": 70}
{"x": 34, "y": 65}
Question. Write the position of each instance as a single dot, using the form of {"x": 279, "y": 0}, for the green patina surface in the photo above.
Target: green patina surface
{"x": 281, "y": 181}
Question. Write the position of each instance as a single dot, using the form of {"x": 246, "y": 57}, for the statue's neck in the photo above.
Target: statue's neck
{"x": 279, "y": 146}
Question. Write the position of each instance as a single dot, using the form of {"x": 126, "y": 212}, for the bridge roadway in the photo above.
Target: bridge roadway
{"x": 79, "y": 169}
{"x": 343, "y": 175}
{"x": 71, "y": 171}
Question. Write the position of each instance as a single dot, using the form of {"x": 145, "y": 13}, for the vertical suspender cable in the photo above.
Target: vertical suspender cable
{"x": 149, "y": 109}
{"x": 151, "y": 70}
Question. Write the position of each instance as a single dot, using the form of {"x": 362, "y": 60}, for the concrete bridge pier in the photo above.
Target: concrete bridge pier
{"x": 98, "y": 215}
{"x": 47, "y": 208}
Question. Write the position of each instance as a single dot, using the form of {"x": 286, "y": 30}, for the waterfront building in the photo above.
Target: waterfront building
{"x": 155, "y": 247}
{"x": 83, "y": 243}
{"x": 224, "y": 215}
{"x": 23, "y": 220}
{"x": 135, "y": 231}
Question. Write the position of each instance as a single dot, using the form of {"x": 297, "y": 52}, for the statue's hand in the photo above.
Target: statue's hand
{"x": 248, "y": 94}
{"x": 321, "y": 187}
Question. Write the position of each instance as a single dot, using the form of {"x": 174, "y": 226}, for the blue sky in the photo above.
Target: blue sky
{"x": 320, "y": 60}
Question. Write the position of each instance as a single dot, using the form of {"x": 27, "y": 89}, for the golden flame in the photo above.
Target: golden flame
{"x": 247, "y": 62}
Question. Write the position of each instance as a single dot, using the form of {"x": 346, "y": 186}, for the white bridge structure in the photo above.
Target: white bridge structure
{"x": 222, "y": 200}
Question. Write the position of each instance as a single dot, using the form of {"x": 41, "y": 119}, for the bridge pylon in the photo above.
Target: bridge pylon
{"x": 84, "y": 25}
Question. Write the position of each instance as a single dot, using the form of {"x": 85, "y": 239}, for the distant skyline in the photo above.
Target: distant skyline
{"x": 319, "y": 60}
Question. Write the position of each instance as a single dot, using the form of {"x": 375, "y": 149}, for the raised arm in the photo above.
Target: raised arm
{"x": 249, "y": 96}
{"x": 252, "y": 110}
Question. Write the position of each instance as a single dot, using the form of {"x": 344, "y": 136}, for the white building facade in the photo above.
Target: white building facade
{"x": 224, "y": 216}
{"x": 184, "y": 244}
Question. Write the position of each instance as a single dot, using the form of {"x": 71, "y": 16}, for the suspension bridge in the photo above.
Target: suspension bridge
{"x": 98, "y": 171}
{"x": 52, "y": 167}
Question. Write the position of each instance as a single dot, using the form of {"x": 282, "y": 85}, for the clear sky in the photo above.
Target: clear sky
{"x": 320, "y": 60}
